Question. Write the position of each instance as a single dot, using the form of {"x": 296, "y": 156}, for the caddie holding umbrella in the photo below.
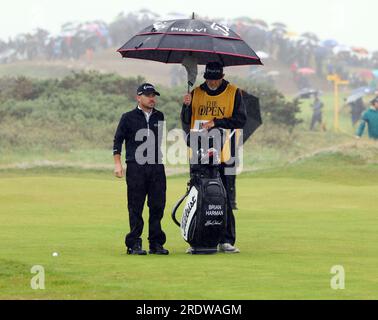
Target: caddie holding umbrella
{"x": 217, "y": 104}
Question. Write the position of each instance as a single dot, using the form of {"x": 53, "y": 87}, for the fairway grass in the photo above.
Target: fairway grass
{"x": 294, "y": 224}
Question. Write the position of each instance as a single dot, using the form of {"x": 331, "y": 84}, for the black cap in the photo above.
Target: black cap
{"x": 214, "y": 71}
{"x": 375, "y": 100}
{"x": 147, "y": 88}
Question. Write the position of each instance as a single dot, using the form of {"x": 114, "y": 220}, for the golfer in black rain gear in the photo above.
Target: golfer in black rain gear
{"x": 145, "y": 173}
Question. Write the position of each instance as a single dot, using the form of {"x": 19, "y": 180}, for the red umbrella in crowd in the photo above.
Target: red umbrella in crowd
{"x": 366, "y": 74}
{"x": 361, "y": 51}
{"x": 306, "y": 71}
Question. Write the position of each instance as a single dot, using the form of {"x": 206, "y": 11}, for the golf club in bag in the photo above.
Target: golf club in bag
{"x": 204, "y": 214}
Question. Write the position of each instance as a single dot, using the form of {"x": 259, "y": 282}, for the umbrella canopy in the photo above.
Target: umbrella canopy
{"x": 361, "y": 51}
{"x": 364, "y": 90}
{"x": 202, "y": 41}
{"x": 306, "y": 93}
{"x": 306, "y": 71}
{"x": 307, "y": 41}
{"x": 366, "y": 74}
{"x": 355, "y": 97}
{"x": 359, "y": 93}
{"x": 171, "y": 41}
{"x": 279, "y": 25}
{"x": 329, "y": 43}
{"x": 311, "y": 36}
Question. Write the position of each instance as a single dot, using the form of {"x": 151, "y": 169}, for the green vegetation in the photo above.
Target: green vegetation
{"x": 71, "y": 122}
{"x": 73, "y": 119}
{"x": 306, "y": 202}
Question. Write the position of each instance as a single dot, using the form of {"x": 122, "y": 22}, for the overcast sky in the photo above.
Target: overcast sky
{"x": 348, "y": 21}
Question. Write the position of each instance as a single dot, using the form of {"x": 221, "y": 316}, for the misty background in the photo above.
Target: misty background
{"x": 351, "y": 22}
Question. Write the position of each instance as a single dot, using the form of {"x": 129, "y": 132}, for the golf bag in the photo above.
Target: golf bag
{"x": 204, "y": 216}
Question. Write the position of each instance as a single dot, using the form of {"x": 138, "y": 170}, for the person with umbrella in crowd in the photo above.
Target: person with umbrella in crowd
{"x": 225, "y": 111}
{"x": 369, "y": 118}
{"x": 317, "y": 113}
{"x": 356, "y": 103}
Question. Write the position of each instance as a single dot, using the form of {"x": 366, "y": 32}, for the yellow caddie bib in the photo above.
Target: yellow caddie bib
{"x": 206, "y": 108}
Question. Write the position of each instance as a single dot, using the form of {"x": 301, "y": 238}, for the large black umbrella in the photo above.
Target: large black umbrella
{"x": 192, "y": 42}
{"x": 171, "y": 41}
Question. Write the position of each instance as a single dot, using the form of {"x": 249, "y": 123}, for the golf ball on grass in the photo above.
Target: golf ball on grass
{"x": 55, "y": 254}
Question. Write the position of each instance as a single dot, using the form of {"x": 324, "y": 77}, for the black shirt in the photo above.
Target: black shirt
{"x": 130, "y": 123}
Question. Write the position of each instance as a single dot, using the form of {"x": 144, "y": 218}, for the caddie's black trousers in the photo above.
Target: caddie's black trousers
{"x": 145, "y": 180}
